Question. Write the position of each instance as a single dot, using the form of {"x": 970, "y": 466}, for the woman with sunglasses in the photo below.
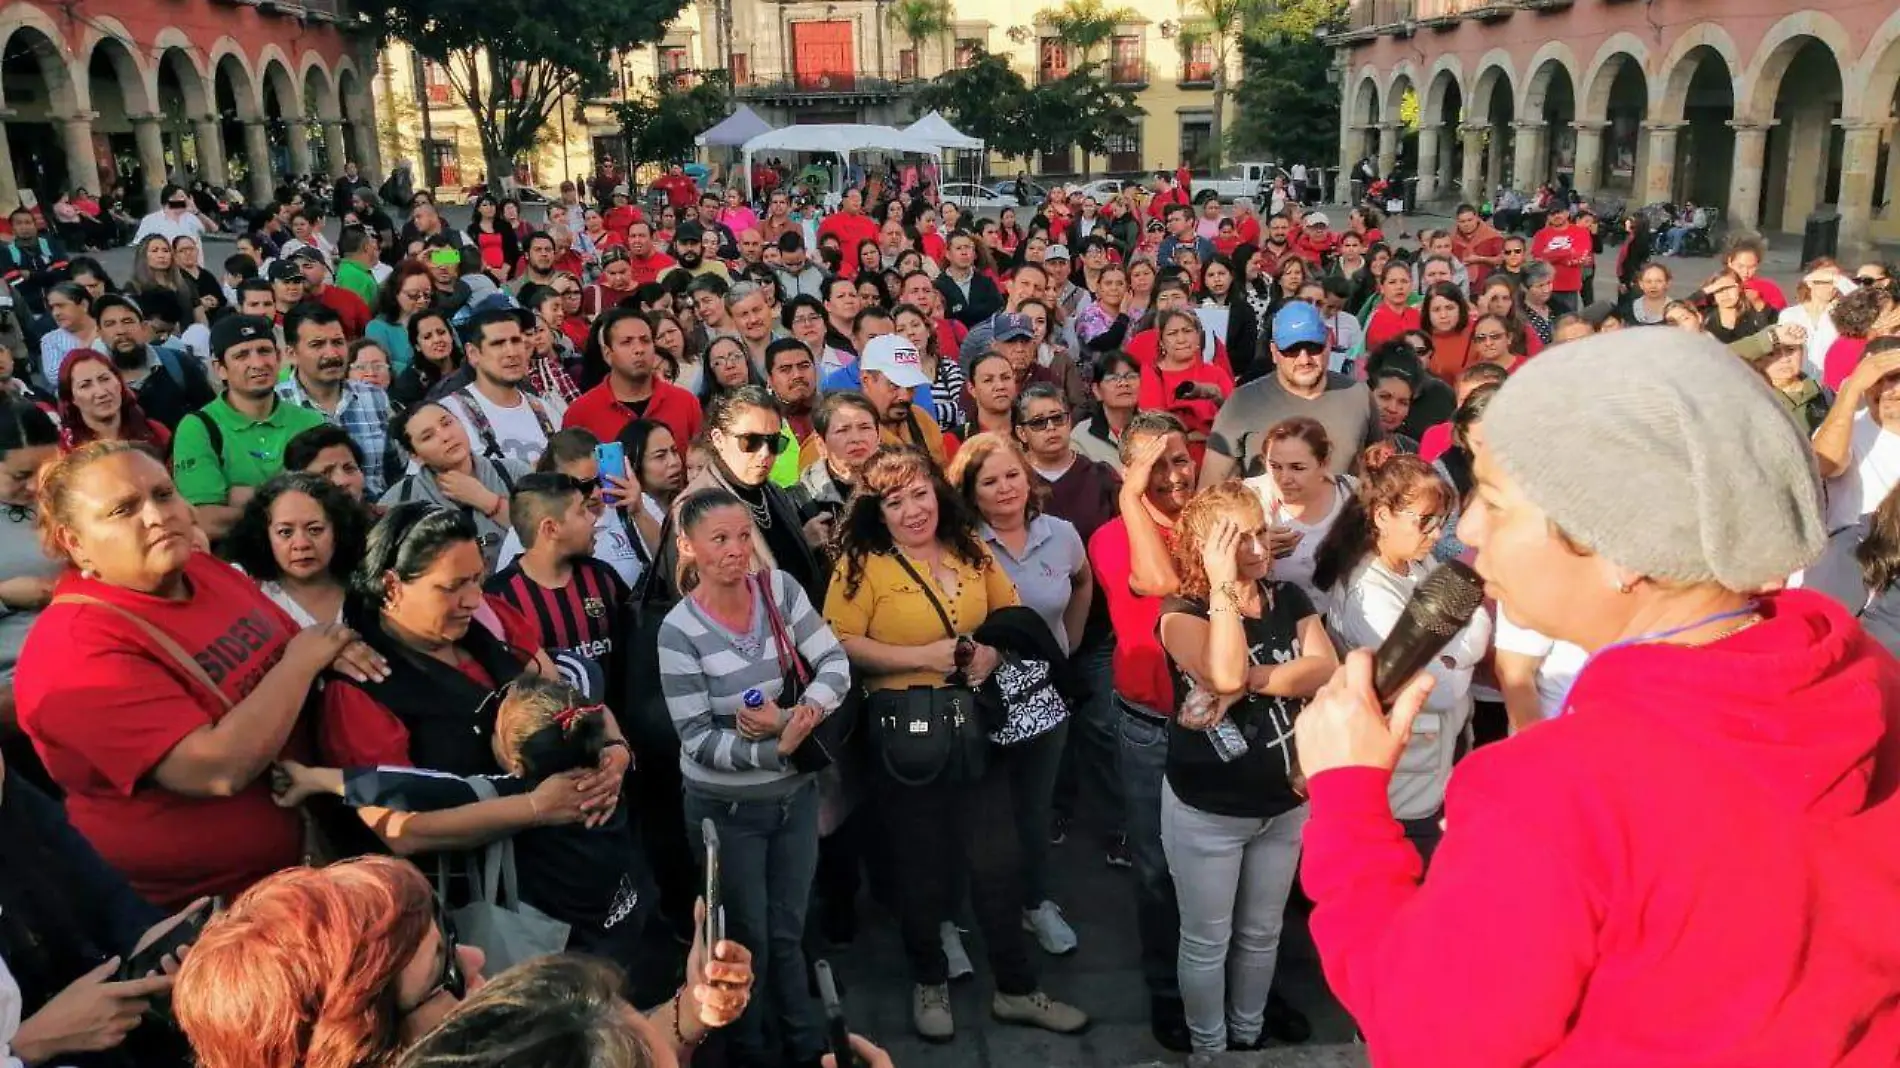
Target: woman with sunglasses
{"x": 1367, "y": 567}
{"x": 437, "y": 355}
{"x": 407, "y": 292}
{"x": 1816, "y": 296}
{"x": 1497, "y": 340}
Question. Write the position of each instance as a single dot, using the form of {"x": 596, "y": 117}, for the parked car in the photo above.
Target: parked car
{"x": 1103, "y": 188}
{"x": 526, "y": 194}
{"x": 1240, "y": 180}
{"x": 970, "y": 195}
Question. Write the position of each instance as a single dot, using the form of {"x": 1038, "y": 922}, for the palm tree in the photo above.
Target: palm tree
{"x": 1087, "y": 26}
{"x": 1221, "y": 23}
{"x": 920, "y": 21}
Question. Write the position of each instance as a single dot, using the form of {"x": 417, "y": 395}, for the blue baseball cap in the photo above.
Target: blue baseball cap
{"x": 1299, "y": 323}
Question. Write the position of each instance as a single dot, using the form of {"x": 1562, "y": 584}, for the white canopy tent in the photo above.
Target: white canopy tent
{"x": 937, "y": 129}
{"x": 734, "y": 130}
{"x": 840, "y": 139}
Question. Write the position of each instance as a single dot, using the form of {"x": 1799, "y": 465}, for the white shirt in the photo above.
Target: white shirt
{"x": 1873, "y": 469}
{"x": 283, "y": 600}
{"x": 1347, "y": 337}
{"x": 611, "y": 544}
{"x": 1297, "y": 567}
{"x": 517, "y": 432}
{"x": 1299, "y": 172}
{"x": 10, "y": 1010}
{"x": 1561, "y": 660}
{"x": 158, "y": 222}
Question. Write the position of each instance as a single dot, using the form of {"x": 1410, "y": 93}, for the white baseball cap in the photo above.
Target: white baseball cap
{"x": 896, "y": 359}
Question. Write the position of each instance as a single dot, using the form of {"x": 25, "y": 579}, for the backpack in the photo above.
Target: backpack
{"x": 491, "y": 446}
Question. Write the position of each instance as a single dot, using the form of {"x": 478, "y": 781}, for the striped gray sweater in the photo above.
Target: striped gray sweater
{"x": 705, "y": 670}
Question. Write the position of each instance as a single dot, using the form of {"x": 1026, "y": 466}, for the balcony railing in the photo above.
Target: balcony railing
{"x": 1193, "y": 73}
{"x": 826, "y": 85}
{"x": 1133, "y": 72}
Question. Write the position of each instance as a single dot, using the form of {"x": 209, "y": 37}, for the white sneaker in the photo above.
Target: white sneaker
{"x": 954, "y": 953}
{"x": 1052, "y": 932}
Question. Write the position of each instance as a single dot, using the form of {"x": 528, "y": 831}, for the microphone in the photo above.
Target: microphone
{"x": 1440, "y": 607}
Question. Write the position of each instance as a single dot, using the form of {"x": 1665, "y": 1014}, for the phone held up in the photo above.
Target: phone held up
{"x": 610, "y": 457}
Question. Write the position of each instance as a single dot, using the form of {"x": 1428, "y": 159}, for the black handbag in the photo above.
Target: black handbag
{"x": 833, "y": 740}
{"x": 926, "y": 733}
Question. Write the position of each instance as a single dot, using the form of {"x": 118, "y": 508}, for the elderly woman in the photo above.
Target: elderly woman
{"x": 160, "y": 684}
{"x": 1637, "y": 500}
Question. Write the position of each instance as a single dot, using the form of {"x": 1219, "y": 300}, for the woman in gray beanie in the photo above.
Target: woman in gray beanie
{"x": 1691, "y": 863}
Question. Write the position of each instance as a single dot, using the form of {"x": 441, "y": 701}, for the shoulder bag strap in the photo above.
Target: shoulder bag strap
{"x": 164, "y": 641}
{"x": 789, "y": 662}
{"x": 493, "y": 856}
{"x": 943, "y": 615}
{"x": 491, "y": 447}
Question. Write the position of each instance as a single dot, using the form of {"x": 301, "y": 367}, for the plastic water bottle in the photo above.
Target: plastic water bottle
{"x": 1229, "y": 744}
{"x": 754, "y": 699}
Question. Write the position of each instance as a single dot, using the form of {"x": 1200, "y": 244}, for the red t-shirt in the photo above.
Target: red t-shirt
{"x": 348, "y": 307}
{"x": 1769, "y": 292}
{"x": 1197, "y": 414}
{"x": 356, "y": 731}
{"x": 104, "y": 705}
{"x": 852, "y": 231}
{"x": 1567, "y": 250}
{"x": 1247, "y": 229}
{"x": 490, "y": 244}
{"x": 618, "y": 219}
{"x": 1841, "y": 359}
{"x": 1140, "y": 667}
{"x": 1141, "y": 348}
{"x": 604, "y": 414}
{"x": 680, "y": 190}
{"x": 576, "y": 330}
{"x": 1385, "y": 325}
{"x": 650, "y": 267}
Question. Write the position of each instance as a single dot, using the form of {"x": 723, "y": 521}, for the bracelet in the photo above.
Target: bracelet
{"x": 679, "y": 1014}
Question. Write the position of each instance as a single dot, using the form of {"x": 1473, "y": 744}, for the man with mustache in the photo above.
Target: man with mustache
{"x": 503, "y": 419}
{"x": 225, "y": 450}
{"x": 689, "y": 247}
{"x": 319, "y": 381}
{"x": 167, "y": 386}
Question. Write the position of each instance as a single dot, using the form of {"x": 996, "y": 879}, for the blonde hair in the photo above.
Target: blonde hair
{"x": 56, "y": 489}
{"x": 967, "y": 467}
{"x": 1228, "y": 500}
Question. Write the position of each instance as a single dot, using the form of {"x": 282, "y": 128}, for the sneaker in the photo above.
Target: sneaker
{"x": 1284, "y": 1023}
{"x": 1118, "y": 855}
{"x": 953, "y": 952}
{"x": 930, "y": 1013}
{"x": 1052, "y": 932}
{"x": 1059, "y": 831}
{"x": 1038, "y": 1010}
{"x": 1167, "y": 1021}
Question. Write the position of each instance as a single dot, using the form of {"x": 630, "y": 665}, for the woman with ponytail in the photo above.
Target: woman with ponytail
{"x": 1375, "y": 555}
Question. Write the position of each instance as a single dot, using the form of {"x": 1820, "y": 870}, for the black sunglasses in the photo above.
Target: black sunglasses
{"x": 1048, "y": 422}
{"x": 451, "y": 981}
{"x": 772, "y": 443}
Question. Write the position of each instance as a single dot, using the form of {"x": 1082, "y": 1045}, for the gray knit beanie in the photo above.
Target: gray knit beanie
{"x": 1661, "y": 451}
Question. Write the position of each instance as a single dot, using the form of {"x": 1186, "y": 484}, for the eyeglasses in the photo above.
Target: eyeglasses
{"x": 450, "y": 981}
{"x": 1868, "y": 280}
{"x": 178, "y": 203}
{"x": 772, "y": 443}
{"x": 1052, "y": 421}
{"x": 1427, "y": 524}
{"x": 807, "y": 319}
{"x": 416, "y": 294}
{"x": 1121, "y": 377}
{"x": 1304, "y": 348}
{"x": 1513, "y": 252}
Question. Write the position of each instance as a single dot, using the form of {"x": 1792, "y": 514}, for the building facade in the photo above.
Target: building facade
{"x": 1761, "y": 108}
{"x": 812, "y": 62}
{"x": 239, "y": 92}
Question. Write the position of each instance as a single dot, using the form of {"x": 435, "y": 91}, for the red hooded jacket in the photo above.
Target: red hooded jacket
{"x": 1693, "y": 865}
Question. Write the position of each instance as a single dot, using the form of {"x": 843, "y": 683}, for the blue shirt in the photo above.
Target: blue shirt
{"x": 363, "y": 413}
{"x": 850, "y": 377}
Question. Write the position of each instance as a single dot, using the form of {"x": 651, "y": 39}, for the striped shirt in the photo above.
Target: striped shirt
{"x": 705, "y": 669}
{"x": 363, "y": 413}
{"x": 575, "y": 622}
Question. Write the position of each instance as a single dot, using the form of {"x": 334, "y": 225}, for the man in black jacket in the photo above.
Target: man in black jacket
{"x": 33, "y": 261}
{"x": 969, "y": 296}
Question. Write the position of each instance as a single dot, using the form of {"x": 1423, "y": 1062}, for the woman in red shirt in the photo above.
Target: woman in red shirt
{"x": 160, "y": 684}
{"x": 1449, "y": 322}
{"x": 1395, "y": 313}
{"x": 1180, "y": 382}
{"x": 499, "y": 246}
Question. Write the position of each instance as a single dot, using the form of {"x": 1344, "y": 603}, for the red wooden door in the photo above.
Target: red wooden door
{"x": 822, "y": 57}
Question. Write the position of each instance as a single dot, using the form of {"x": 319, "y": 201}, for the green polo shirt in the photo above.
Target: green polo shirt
{"x": 252, "y": 451}
{"x": 357, "y": 278}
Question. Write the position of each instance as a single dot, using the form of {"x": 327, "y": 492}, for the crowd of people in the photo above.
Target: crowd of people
{"x": 949, "y": 542}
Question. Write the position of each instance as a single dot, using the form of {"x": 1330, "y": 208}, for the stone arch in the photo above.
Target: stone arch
{"x": 1365, "y": 107}
{"x": 137, "y": 86}
{"x": 274, "y": 75}
{"x": 1593, "y": 92}
{"x": 1669, "y": 83}
{"x": 31, "y": 29}
{"x": 1542, "y": 70}
{"x": 1761, "y": 81}
{"x": 1494, "y": 69}
{"x": 1403, "y": 78}
{"x": 319, "y": 85}
{"x": 352, "y": 93}
{"x": 1878, "y": 73}
{"x": 1446, "y": 74}
{"x": 229, "y": 62}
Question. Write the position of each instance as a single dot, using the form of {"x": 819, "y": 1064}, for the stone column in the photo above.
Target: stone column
{"x": 1494, "y": 164}
{"x": 82, "y": 163}
{"x": 9, "y": 186}
{"x": 1428, "y": 168}
{"x": 334, "y": 146}
{"x": 1388, "y": 148}
{"x": 1472, "y": 177}
{"x": 1530, "y": 156}
{"x": 1659, "y": 181}
{"x": 369, "y": 151}
{"x": 1745, "y": 173}
{"x": 151, "y": 149}
{"x": 208, "y": 133}
{"x": 297, "y": 140}
{"x": 257, "y": 154}
{"x": 1888, "y": 210}
{"x": 1589, "y": 173}
{"x": 1860, "y": 153}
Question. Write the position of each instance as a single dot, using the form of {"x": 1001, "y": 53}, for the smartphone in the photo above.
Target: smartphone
{"x": 183, "y": 933}
{"x": 611, "y": 459}
{"x": 837, "y": 1032}
{"x": 715, "y": 930}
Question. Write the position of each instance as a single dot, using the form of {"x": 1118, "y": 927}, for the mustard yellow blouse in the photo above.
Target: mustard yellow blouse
{"x": 890, "y": 607}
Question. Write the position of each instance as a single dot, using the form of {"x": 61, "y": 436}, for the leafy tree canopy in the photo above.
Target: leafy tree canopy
{"x": 1287, "y": 108}
{"x": 986, "y": 99}
{"x": 661, "y": 122}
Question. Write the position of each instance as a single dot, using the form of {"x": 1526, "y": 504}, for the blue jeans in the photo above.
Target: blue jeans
{"x": 1144, "y": 764}
{"x": 768, "y": 854}
{"x": 1673, "y": 238}
{"x": 1094, "y": 739}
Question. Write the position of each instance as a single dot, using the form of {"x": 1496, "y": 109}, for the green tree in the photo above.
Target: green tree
{"x": 1085, "y": 25}
{"x": 1287, "y": 107}
{"x": 1081, "y": 109}
{"x": 986, "y": 99}
{"x": 920, "y": 21}
{"x": 660, "y": 122}
{"x": 512, "y": 62}
{"x": 1223, "y": 25}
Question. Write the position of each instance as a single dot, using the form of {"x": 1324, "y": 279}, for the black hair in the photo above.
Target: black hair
{"x": 253, "y": 285}
{"x": 482, "y": 320}
{"x": 248, "y": 545}
{"x": 1445, "y": 291}
{"x": 73, "y": 292}
{"x": 538, "y": 235}
{"x": 24, "y": 425}
{"x": 406, "y": 542}
{"x": 565, "y": 447}
{"x": 308, "y": 313}
{"x": 708, "y": 283}
{"x": 726, "y": 405}
{"x": 117, "y": 300}
{"x": 554, "y": 748}
{"x": 1107, "y": 362}
{"x": 790, "y": 308}
{"x": 79, "y": 265}
{"x": 648, "y": 294}
{"x": 241, "y": 265}
{"x": 352, "y": 240}
{"x": 791, "y": 241}
{"x": 415, "y": 333}
{"x": 399, "y": 419}
{"x": 831, "y": 283}
{"x": 875, "y": 311}
{"x": 782, "y": 345}
{"x": 538, "y": 496}
{"x": 302, "y": 451}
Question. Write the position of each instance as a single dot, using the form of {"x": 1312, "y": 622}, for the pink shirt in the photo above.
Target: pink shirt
{"x": 1840, "y": 360}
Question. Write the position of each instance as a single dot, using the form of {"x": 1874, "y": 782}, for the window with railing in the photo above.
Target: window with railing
{"x": 432, "y": 84}
{"x": 674, "y": 58}
{"x": 741, "y": 67}
{"x": 907, "y": 65}
{"x": 967, "y": 48}
{"x": 1197, "y": 63}
{"x": 1123, "y": 149}
{"x": 1127, "y": 65}
{"x": 1053, "y": 65}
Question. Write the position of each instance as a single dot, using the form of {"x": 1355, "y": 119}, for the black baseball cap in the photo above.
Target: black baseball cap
{"x": 689, "y": 231}
{"x": 238, "y": 329}
{"x": 286, "y": 270}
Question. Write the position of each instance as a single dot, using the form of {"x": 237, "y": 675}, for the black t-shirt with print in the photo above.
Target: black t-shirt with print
{"x": 1258, "y": 784}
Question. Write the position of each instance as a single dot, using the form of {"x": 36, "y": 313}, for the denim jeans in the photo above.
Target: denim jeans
{"x": 1143, "y": 757}
{"x": 768, "y": 854}
{"x": 1032, "y": 767}
{"x": 1233, "y": 875}
{"x": 1089, "y": 766}
{"x": 941, "y": 835}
